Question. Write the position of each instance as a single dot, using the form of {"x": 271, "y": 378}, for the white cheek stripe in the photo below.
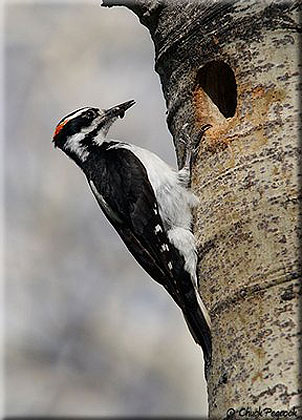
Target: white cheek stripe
{"x": 73, "y": 144}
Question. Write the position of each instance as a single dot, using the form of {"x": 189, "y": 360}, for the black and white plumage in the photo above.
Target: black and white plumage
{"x": 147, "y": 202}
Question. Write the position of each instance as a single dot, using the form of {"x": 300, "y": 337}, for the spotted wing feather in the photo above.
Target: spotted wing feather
{"x": 134, "y": 214}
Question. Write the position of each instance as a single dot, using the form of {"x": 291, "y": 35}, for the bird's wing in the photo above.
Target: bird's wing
{"x": 123, "y": 191}
{"x": 121, "y": 186}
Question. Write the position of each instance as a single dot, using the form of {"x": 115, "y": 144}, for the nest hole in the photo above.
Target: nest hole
{"x": 218, "y": 81}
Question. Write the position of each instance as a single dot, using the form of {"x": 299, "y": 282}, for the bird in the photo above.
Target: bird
{"x": 148, "y": 202}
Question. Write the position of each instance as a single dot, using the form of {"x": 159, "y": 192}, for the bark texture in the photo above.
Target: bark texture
{"x": 235, "y": 65}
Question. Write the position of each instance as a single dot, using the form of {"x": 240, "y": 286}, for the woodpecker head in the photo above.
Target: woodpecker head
{"x": 86, "y": 127}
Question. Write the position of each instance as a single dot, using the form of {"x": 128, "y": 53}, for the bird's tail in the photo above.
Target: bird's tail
{"x": 200, "y": 330}
{"x": 181, "y": 288}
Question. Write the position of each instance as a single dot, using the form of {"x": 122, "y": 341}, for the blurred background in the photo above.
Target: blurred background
{"x": 87, "y": 330}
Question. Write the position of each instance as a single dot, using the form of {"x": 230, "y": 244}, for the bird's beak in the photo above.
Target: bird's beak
{"x": 119, "y": 110}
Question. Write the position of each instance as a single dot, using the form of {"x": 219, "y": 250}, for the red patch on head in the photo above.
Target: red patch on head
{"x": 59, "y": 127}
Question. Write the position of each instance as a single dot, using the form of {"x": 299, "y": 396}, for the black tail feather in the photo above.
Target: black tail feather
{"x": 200, "y": 331}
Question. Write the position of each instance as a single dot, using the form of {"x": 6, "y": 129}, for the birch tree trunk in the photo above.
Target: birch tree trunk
{"x": 235, "y": 65}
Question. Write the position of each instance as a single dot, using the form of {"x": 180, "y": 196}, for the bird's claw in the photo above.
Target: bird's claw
{"x": 185, "y": 137}
{"x": 191, "y": 143}
{"x": 194, "y": 144}
{"x": 198, "y": 136}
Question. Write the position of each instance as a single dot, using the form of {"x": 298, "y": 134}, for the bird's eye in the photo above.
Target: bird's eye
{"x": 90, "y": 114}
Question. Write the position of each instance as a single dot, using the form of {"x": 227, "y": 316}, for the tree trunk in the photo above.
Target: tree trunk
{"x": 234, "y": 64}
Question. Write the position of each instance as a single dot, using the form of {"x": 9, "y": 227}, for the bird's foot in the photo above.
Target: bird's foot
{"x": 192, "y": 143}
{"x": 196, "y": 139}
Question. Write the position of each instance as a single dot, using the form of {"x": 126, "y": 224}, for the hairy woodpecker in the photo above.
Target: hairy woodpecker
{"x": 147, "y": 202}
